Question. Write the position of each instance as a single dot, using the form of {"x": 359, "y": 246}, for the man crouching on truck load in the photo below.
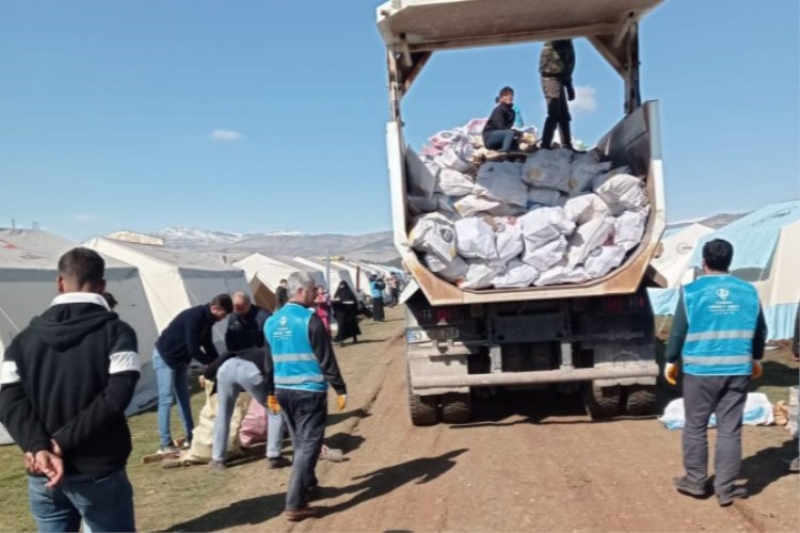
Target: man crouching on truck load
{"x": 498, "y": 133}
{"x": 556, "y": 64}
{"x": 719, "y": 332}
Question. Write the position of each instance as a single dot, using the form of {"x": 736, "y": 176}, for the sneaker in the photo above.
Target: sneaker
{"x": 301, "y": 514}
{"x": 168, "y": 450}
{"x": 737, "y": 491}
{"x": 794, "y": 466}
{"x": 690, "y": 488}
{"x": 279, "y": 462}
{"x": 217, "y": 466}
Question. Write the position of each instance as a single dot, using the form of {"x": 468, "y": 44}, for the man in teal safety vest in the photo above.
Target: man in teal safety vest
{"x": 300, "y": 366}
{"x": 719, "y": 333}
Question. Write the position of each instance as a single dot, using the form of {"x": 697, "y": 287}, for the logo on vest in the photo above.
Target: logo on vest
{"x": 283, "y": 321}
{"x": 724, "y": 306}
{"x": 723, "y": 293}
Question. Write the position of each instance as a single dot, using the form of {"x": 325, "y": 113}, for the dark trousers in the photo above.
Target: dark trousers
{"x": 500, "y": 140}
{"x": 377, "y": 309}
{"x": 555, "y": 94}
{"x": 702, "y": 396}
{"x": 305, "y": 414}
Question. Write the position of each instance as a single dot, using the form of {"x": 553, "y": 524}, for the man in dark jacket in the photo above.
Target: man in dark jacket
{"x": 556, "y": 65}
{"x": 281, "y": 295}
{"x": 245, "y": 324}
{"x": 498, "y": 133}
{"x": 188, "y": 336}
{"x": 66, "y": 381}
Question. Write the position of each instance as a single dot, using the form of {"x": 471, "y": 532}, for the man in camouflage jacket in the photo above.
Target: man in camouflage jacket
{"x": 556, "y": 65}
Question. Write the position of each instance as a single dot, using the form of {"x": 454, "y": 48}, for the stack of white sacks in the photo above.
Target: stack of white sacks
{"x": 560, "y": 217}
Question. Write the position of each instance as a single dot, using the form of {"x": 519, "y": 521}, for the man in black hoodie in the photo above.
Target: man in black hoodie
{"x": 65, "y": 383}
{"x": 498, "y": 133}
{"x": 188, "y": 336}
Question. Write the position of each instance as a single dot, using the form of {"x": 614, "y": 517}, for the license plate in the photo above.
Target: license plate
{"x": 438, "y": 334}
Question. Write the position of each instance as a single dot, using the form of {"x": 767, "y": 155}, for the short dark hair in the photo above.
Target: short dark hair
{"x": 718, "y": 255}
{"x": 283, "y": 280}
{"x": 83, "y": 266}
{"x": 223, "y": 301}
{"x": 506, "y": 90}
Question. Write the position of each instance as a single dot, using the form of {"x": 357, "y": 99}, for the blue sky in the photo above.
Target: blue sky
{"x": 269, "y": 115}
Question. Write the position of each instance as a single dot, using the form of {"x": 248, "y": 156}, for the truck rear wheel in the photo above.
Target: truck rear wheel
{"x": 423, "y": 409}
{"x": 602, "y": 402}
{"x": 456, "y": 408}
{"x": 640, "y": 400}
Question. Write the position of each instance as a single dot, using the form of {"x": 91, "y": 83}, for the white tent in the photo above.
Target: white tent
{"x": 265, "y": 273}
{"x": 28, "y": 269}
{"x": 676, "y": 255}
{"x": 176, "y": 279}
{"x": 337, "y": 274}
{"x": 358, "y": 274}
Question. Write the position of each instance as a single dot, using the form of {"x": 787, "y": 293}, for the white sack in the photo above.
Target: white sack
{"x": 450, "y": 158}
{"x": 479, "y": 275}
{"x": 453, "y": 271}
{"x": 583, "y": 173}
{"x": 587, "y": 238}
{"x": 561, "y": 274}
{"x": 508, "y": 238}
{"x": 548, "y": 169}
{"x": 758, "y": 411}
{"x": 434, "y": 233}
{"x": 471, "y": 205}
{"x": 547, "y": 197}
{"x": 475, "y": 239}
{"x": 420, "y": 178}
{"x": 622, "y": 193}
{"x": 502, "y": 181}
{"x": 517, "y": 274}
{"x": 546, "y": 255}
{"x": 603, "y": 260}
{"x": 629, "y": 228}
{"x": 581, "y": 209}
{"x": 598, "y": 181}
{"x": 453, "y": 183}
{"x": 544, "y": 225}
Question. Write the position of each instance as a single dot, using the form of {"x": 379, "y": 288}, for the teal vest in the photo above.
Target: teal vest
{"x": 296, "y": 366}
{"x": 722, "y": 312}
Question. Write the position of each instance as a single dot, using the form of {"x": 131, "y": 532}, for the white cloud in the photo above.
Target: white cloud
{"x": 226, "y": 136}
{"x": 83, "y": 217}
{"x": 585, "y": 100}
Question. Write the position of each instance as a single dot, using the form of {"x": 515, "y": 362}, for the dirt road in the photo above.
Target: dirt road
{"x": 523, "y": 464}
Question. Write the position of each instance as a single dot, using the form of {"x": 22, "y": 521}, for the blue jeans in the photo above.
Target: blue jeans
{"x": 234, "y": 377}
{"x": 500, "y": 140}
{"x": 104, "y": 503}
{"x": 172, "y": 380}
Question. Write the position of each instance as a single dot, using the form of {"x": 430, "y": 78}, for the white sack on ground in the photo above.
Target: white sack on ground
{"x": 629, "y": 228}
{"x": 623, "y": 193}
{"x": 475, "y": 239}
{"x": 453, "y": 183}
{"x": 603, "y": 260}
{"x": 502, "y": 182}
{"x": 471, "y": 205}
{"x": 453, "y": 271}
{"x": 546, "y": 255}
{"x": 581, "y": 209}
{"x": 434, "y": 233}
{"x": 479, "y": 275}
{"x": 508, "y": 238}
{"x": 587, "y": 238}
{"x": 421, "y": 180}
{"x": 517, "y": 274}
{"x": 561, "y": 274}
{"x": 547, "y": 197}
{"x": 544, "y": 225}
{"x": 757, "y": 412}
{"x": 548, "y": 169}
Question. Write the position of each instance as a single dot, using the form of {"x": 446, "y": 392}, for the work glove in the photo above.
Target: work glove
{"x": 758, "y": 371}
{"x": 671, "y": 373}
{"x": 273, "y": 405}
{"x": 341, "y": 402}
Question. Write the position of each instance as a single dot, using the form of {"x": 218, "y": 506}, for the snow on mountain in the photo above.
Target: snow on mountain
{"x": 183, "y": 236}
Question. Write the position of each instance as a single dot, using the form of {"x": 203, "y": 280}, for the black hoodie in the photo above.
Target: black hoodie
{"x": 69, "y": 376}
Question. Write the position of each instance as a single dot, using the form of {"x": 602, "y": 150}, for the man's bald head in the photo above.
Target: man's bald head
{"x": 241, "y": 303}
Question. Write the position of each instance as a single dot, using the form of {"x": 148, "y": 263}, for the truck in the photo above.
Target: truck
{"x": 597, "y": 337}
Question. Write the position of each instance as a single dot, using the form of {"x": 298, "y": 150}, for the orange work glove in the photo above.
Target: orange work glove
{"x": 341, "y": 402}
{"x": 758, "y": 370}
{"x": 671, "y": 373}
{"x": 273, "y": 405}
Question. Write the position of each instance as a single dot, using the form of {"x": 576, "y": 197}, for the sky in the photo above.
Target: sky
{"x": 260, "y": 116}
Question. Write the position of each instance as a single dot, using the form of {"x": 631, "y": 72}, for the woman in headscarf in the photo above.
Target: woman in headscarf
{"x": 345, "y": 309}
{"x": 323, "y": 308}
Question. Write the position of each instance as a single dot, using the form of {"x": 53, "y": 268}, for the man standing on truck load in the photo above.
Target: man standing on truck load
{"x": 299, "y": 366}
{"x": 719, "y": 333}
{"x": 498, "y": 133}
{"x": 556, "y": 65}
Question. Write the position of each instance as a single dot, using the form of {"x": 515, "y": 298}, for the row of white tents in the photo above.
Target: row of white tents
{"x": 152, "y": 284}
{"x": 766, "y": 247}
